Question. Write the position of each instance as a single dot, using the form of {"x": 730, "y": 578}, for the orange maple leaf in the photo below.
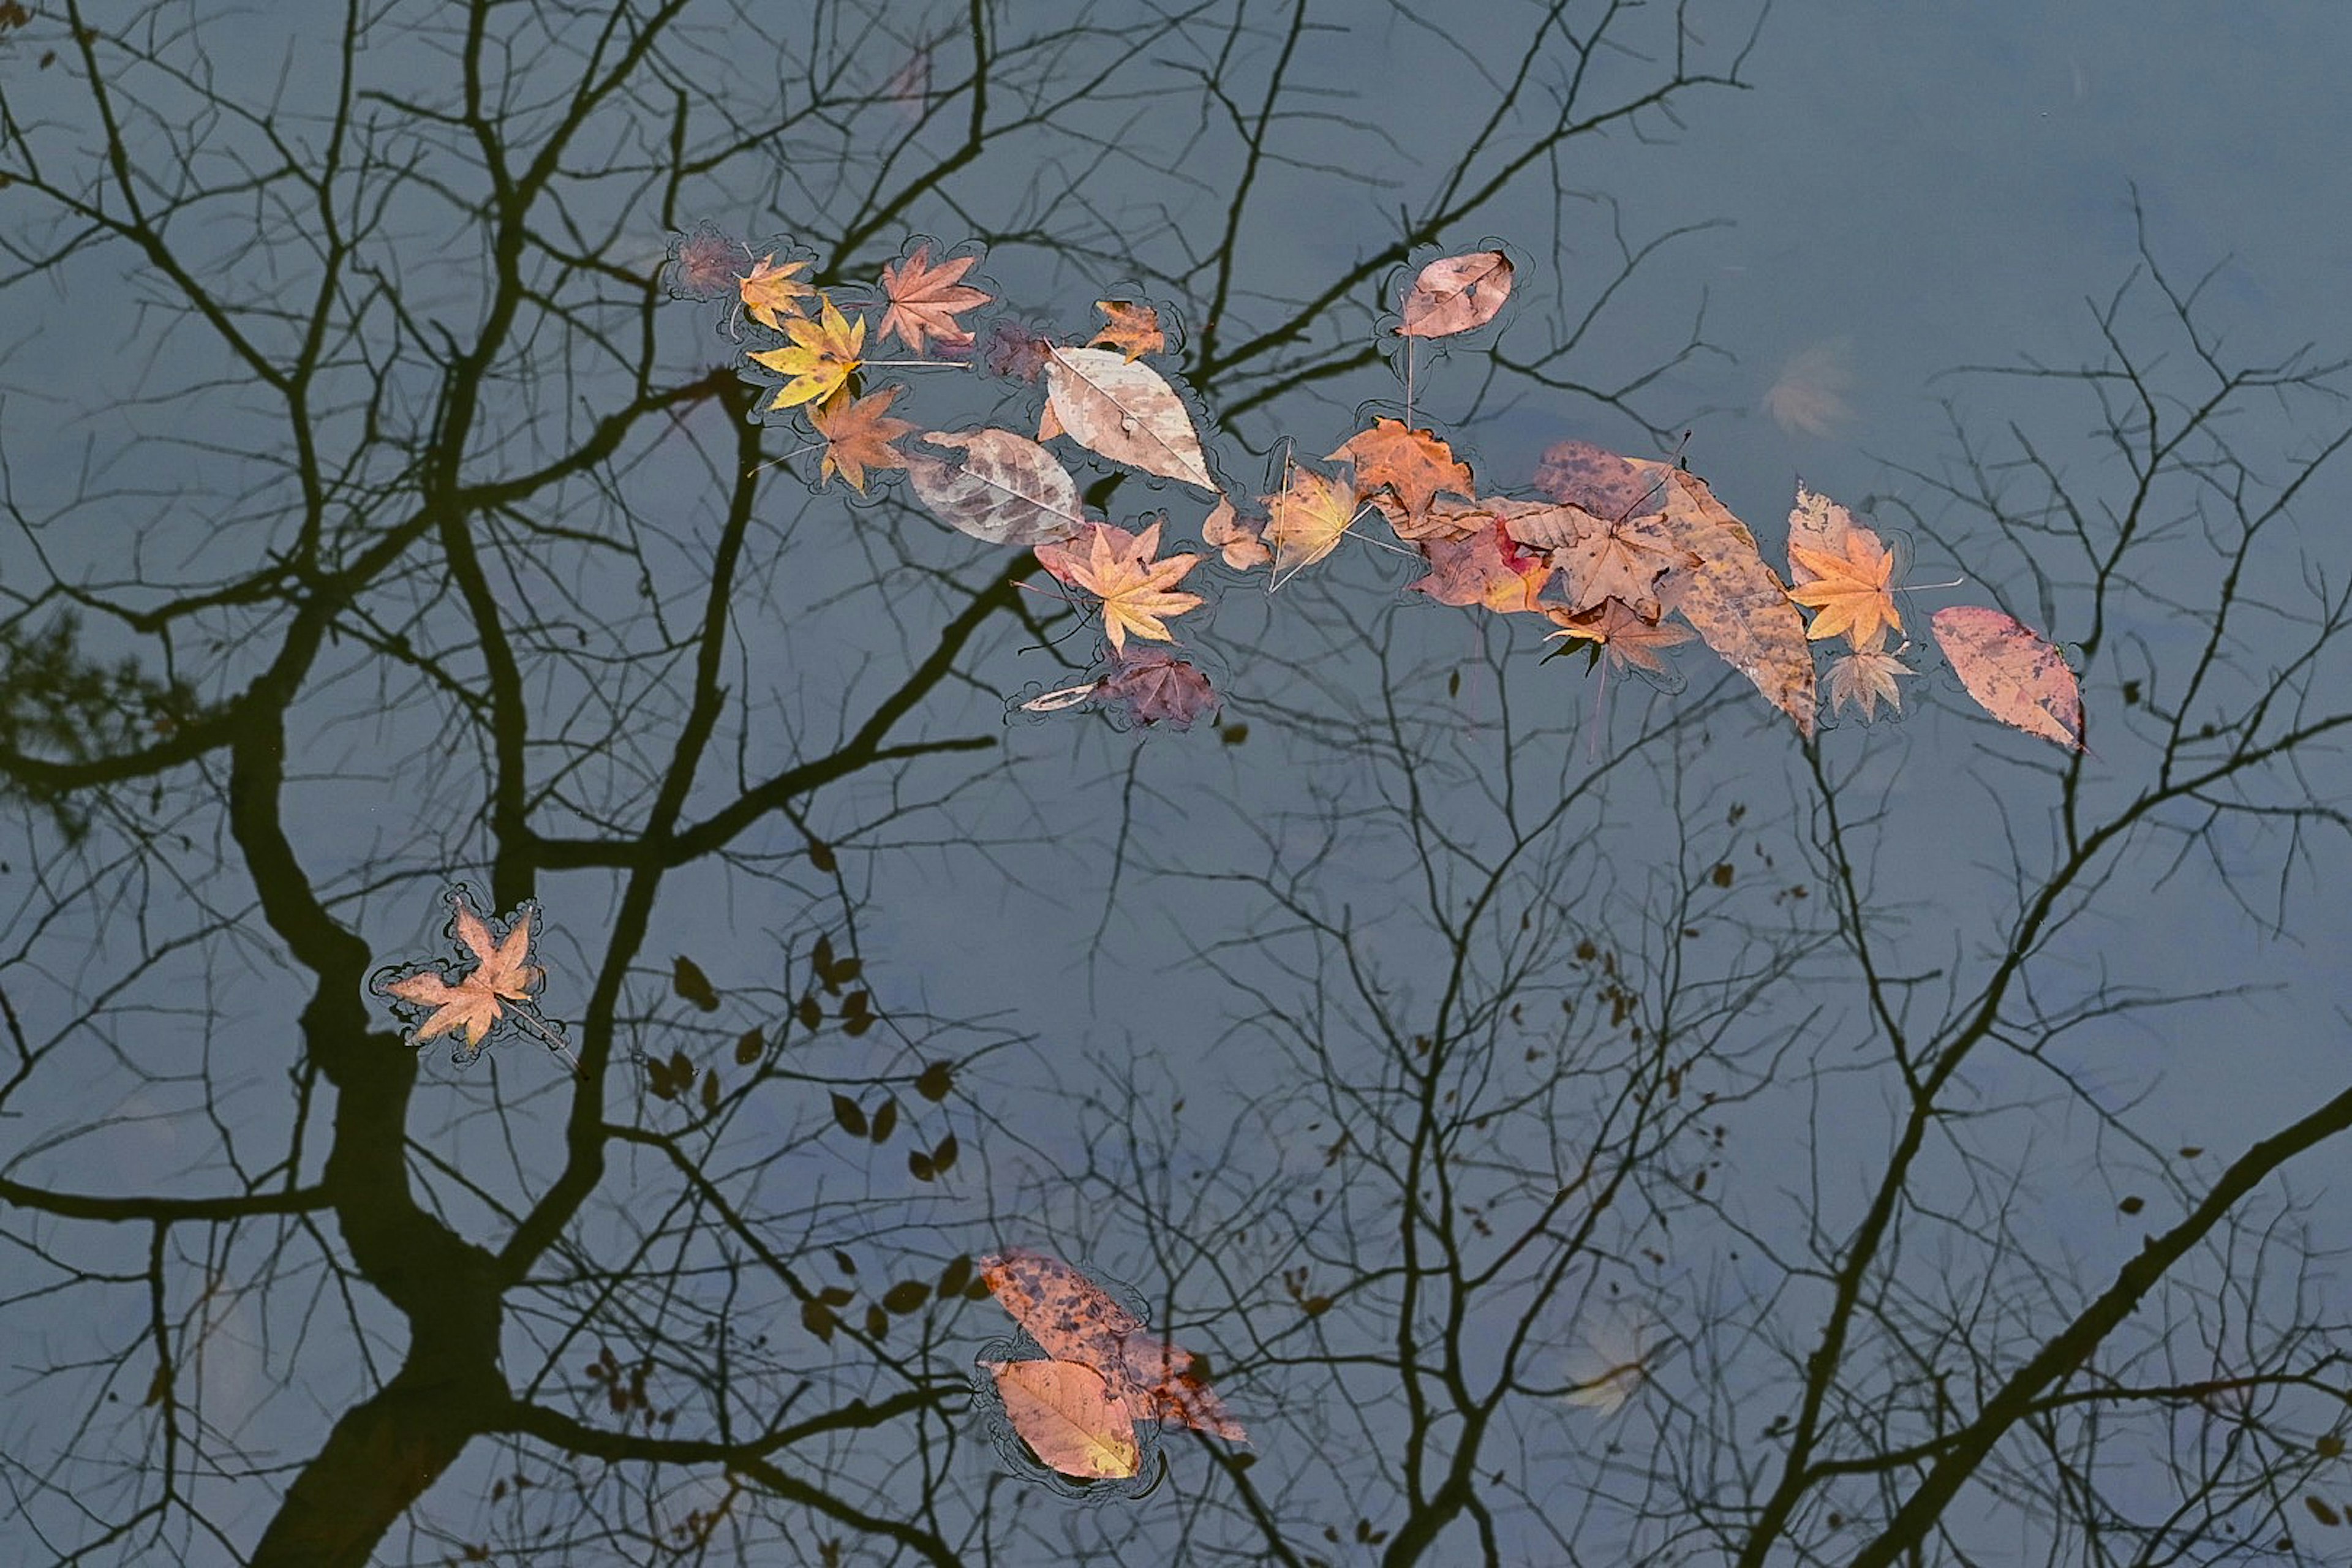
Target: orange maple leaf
{"x": 501, "y": 973}
{"x": 857, "y": 435}
{"x": 820, "y": 359}
{"x": 1614, "y": 628}
{"x": 925, "y": 300}
{"x": 1137, "y": 592}
{"x": 1847, "y": 589}
{"x": 769, "y": 288}
{"x": 1133, "y": 329}
{"x": 1415, "y": 464}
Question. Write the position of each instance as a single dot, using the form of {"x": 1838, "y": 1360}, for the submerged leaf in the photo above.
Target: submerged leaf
{"x": 1237, "y": 542}
{"x": 1864, "y": 679}
{"x": 1306, "y": 520}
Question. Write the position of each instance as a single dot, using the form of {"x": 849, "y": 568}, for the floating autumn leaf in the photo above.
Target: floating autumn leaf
{"x": 1846, "y": 583}
{"x": 771, "y": 291}
{"x": 2013, "y": 674}
{"x": 702, "y": 264}
{"x": 502, "y": 973}
{"x": 1737, "y": 602}
{"x": 1306, "y": 520}
{"x": 1125, "y": 411}
{"x": 1237, "y": 542}
{"x": 1157, "y": 688}
{"x": 1487, "y": 569}
{"x": 1074, "y": 1319}
{"x": 820, "y": 359}
{"x": 1133, "y": 329}
{"x": 1864, "y": 679}
{"x": 1601, "y": 558}
{"x": 857, "y": 435}
{"x": 1599, "y": 480}
{"x": 1071, "y": 1418}
{"x": 1006, "y": 490}
{"x": 1457, "y": 294}
{"x": 1614, "y": 628}
{"x": 1137, "y": 592}
{"x": 1443, "y": 519}
{"x": 1414, "y": 464}
{"x": 925, "y": 300}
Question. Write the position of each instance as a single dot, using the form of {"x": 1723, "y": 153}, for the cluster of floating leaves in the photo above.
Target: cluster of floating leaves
{"x": 1627, "y": 557}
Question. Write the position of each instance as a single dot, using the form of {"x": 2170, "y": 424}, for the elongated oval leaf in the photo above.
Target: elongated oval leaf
{"x": 2014, "y": 675}
{"x": 1126, "y": 411}
{"x": 1737, "y": 603}
{"x": 1457, "y": 294}
{"x": 1070, "y": 1416}
{"x": 1007, "y": 490}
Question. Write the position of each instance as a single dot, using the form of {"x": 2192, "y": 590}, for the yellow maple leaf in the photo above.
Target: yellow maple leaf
{"x": 1848, "y": 589}
{"x": 769, "y": 288}
{"x": 1137, "y": 592}
{"x": 1306, "y": 520}
{"x": 820, "y": 359}
{"x": 502, "y": 973}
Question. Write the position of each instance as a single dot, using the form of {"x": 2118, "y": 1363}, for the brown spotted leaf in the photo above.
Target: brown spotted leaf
{"x": 1734, "y": 601}
{"x": 1133, "y": 329}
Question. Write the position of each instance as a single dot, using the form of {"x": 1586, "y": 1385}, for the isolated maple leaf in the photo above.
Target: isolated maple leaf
{"x": 1307, "y": 519}
{"x": 820, "y": 359}
{"x": 857, "y": 435}
{"x": 1415, "y": 464}
{"x": 1864, "y": 679}
{"x": 772, "y": 292}
{"x": 1137, "y": 592}
{"x": 1133, "y": 329}
{"x": 1847, "y": 590}
{"x": 925, "y": 300}
{"x": 502, "y": 973}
